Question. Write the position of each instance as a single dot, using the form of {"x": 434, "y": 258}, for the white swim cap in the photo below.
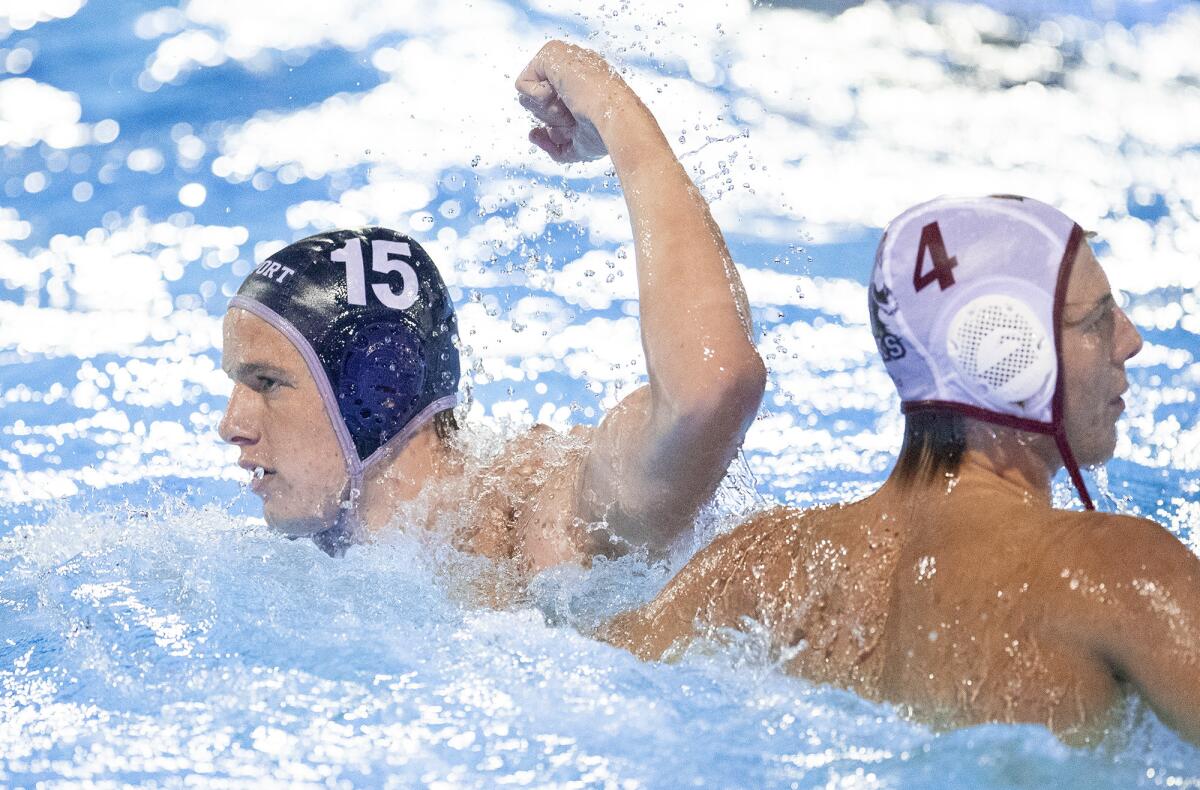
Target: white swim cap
{"x": 965, "y": 301}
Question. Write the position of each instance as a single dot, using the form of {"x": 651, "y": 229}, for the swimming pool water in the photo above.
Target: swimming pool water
{"x": 153, "y": 632}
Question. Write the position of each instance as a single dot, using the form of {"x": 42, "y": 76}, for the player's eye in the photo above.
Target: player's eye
{"x": 1102, "y": 321}
{"x": 266, "y": 383}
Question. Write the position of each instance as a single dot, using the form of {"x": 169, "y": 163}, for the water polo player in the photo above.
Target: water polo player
{"x": 956, "y": 590}
{"x": 341, "y": 347}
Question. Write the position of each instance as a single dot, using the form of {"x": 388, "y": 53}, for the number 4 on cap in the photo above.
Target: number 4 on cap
{"x": 943, "y": 264}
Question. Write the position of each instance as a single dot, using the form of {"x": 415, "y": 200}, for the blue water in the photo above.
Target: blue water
{"x": 152, "y": 631}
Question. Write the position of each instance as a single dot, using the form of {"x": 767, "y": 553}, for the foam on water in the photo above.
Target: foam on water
{"x": 150, "y": 631}
{"x": 177, "y": 641}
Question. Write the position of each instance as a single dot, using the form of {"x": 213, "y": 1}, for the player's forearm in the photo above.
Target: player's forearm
{"x": 694, "y": 318}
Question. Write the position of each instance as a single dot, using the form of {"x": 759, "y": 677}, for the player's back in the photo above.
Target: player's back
{"x": 953, "y": 601}
{"x": 990, "y": 599}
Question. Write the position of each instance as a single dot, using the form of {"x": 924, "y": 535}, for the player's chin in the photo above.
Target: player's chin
{"x": 1099, "y": 450}
{"x": 296, "y": 522}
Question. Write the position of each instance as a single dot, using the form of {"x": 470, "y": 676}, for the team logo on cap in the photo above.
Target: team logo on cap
{"x": 891, "y": 347}
{"x": 274, "y": 271}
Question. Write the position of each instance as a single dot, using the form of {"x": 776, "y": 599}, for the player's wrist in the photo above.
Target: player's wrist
{"x": 637, "y": 145}
{"x": 625, "y": 125}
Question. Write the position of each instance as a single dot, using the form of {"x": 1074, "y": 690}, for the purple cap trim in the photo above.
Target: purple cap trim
{"x": 415, "y": 424}
{"x": 355, "y": 467}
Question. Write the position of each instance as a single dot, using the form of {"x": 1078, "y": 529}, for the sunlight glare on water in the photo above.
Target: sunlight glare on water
{"x": 152, "y": 630}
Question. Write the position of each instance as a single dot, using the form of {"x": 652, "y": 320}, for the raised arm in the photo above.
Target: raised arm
{"x": 660, "y": 453}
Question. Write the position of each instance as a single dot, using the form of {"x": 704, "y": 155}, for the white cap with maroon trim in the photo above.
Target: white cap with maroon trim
{"x": 965, "y": 302}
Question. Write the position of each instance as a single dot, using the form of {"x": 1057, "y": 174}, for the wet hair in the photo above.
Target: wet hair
{"x": 445, "y": 425}
{"x": 934, "y": 441}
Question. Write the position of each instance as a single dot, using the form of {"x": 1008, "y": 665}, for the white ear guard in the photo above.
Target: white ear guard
{"x": 1002, "y": 352}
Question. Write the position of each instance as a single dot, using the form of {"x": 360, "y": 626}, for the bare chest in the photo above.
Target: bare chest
{"x": 524, "y": 509}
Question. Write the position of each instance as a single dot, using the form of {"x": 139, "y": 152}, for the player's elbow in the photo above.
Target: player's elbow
{"x": 753, "y": 374}
{"x": 729, "y": 398}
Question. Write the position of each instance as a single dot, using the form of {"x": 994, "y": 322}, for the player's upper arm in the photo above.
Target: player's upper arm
{"x": 1146, "y": 617}
{"x": 655, "y": 460}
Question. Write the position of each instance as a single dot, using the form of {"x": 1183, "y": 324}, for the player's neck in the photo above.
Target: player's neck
{"x": 424, "y": 459}
{"x": 1024, "y": 462}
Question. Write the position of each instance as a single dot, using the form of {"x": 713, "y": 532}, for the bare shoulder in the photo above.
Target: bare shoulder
{"x": 774, "y": 522}
{"x": 737, "y": 567}
{"x": 716, "y": 588}
{"x": 776, "y": 540}
{"x": 1122, "y": 545}
{"x": 1112, "y": 577}
{"x": 1132, "y": 599}
{"x": 504, "y": 487}
{"x": 529, "y": 458}
{"x": 530, "y": 487}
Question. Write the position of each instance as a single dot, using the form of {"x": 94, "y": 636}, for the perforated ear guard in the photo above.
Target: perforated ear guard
{"x": 382, "y": 379}
{"x": 1002, "y": 352}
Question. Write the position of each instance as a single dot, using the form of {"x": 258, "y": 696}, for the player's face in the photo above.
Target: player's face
{"x": 1097, "y": 339}
{"x": 278, "y": 421}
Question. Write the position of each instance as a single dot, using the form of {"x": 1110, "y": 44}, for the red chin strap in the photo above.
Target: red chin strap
{"x": 1057, "y": 414}
{"x": 1072, "y": 466}
{"x": 1019, "y": 423}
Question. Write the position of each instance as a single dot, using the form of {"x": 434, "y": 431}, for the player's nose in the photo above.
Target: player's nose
{"x": 238, "y": 425}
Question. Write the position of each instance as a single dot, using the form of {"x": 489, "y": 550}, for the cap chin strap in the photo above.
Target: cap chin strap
{"x": 349, "y": 528}
{"x": 1057, "y": 408}
{"x": 1072, "y": 466}
{"x": 1019, "y": 423}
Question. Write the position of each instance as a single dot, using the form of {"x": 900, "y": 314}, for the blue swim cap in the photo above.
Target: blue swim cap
{"x": 370, "y": 315}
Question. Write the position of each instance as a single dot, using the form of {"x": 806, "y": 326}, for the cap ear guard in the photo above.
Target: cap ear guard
{"x": 382, "y": 378}
{"x": 1002, "y": 353}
